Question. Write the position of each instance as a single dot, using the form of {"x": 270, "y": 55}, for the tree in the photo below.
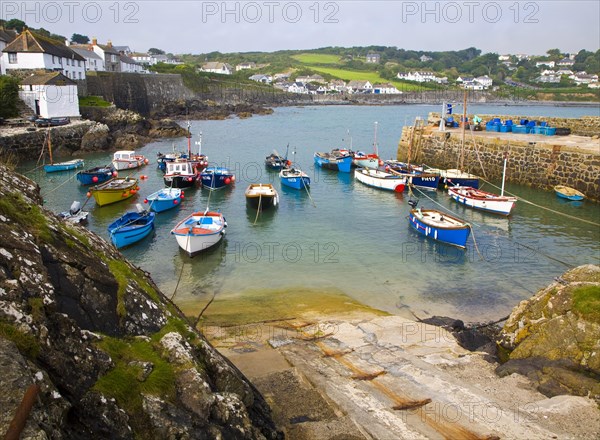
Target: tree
{"x": 554, "y": 53}
{"x": 80, "y": 39}
{"x": 9, "y": 94}
{"x": 155, "y": 51}
{"x": 15, "y": 24}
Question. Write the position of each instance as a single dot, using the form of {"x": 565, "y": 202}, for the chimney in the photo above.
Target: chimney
{"x": 94, "y": 41}
{"x": 109, "y": 43}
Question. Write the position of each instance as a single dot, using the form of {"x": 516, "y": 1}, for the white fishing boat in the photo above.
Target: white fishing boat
{"x": 127, "y": 160}
{"x": 380, "y": 179}
{"x": 199, "y": 231}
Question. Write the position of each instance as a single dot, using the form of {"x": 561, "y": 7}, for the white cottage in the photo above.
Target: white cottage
{"x": 6, "y": 37}
{"x": 216, "y": 67}
{"x": 50, "y": 95}
{"x": 32, "y": 51}
{"x": 93, "y": 61}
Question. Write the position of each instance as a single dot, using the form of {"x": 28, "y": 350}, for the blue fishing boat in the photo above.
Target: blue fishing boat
{"x": 439, "y": 226}
{"x": 64, "y": 166}
{"x": 454, "y": 177}
{"x": 131, "y": 227}
{"x": 568, "y": 193}
{"x": 294, "y": 178}
{"x": 217, "y": 178}
{"x": 414, "y": 175}
{"x": 336, "y": 160}
{"x": 96, "y": 175}
{"x": 164, "y": 199}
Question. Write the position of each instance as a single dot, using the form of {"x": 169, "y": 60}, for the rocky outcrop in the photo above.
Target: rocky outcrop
{"x": 207, "y": 109}
{"x": 128, "y": 129}
{"x": 554, "y": 337}
{"x": 112, "y": 356}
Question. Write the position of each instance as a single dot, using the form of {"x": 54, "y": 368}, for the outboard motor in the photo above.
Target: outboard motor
{"x": 139, "y": 207}
{"x": 75, "y": 207}
{"x": 413, "y": 203}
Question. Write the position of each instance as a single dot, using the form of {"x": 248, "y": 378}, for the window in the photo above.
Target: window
{"x": 12, "y": 57}
{"x": 80, "y": 75}
{"x": 53, "y": 60}
{"x": 68, "y": 64}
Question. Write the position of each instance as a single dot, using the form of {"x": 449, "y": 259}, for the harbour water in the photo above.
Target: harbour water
{"x": 342, "y": 235}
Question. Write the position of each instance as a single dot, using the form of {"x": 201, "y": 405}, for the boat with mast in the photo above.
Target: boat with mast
{"x": 483, "y": 200}
{"x": 365, "y": 160}
{"x": 59, "y": 166}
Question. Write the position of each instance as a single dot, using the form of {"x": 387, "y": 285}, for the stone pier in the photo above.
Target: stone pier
{"x": 535, "y": 160}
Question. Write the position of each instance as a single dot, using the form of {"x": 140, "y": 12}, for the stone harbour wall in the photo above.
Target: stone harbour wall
{"x": 27, "y": 145}
{"x": 584, "y": 126}
{"x": 530, "y": 163}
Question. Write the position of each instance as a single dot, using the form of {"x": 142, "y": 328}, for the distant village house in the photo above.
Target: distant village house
{"x": 50, "y": 95}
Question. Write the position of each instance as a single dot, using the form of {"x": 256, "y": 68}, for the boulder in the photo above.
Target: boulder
{"x": 554, "y": 337}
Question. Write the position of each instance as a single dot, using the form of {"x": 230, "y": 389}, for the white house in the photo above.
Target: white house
{"x": 32, "y": 51}
{"x": 566, "y": 62}
{"x": 297, "y": 87}
{"x": 358, "y": 86}
{"x": 245, "y": 66}
{"x": 129, "y": 65}
{"x": 217, "y": 67}
{"x": 545, "y": 63}
{"x": 420, "y": 77}
{"x": 485, "y": 81}
{"x": 585, "y": 78}
{"x": 337, "y": 85}
{"x": 108, "y": 53}
{"x": 472, "y": 85}
{"x": 125, "y": 50}
{"x": 385, "y": 89}
{"x": 265, "y": 79}
{"x": 425, "y": 58}
{"x": 373, "y": 58}
{"x": 504, "y": 58}
{"x": 50, "y": 95}
{"x": 6, "y": 37}
{"x": 92, "y": 61}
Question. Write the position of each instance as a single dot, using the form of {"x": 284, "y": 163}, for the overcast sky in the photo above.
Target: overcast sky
{"x": 530, "y": 27}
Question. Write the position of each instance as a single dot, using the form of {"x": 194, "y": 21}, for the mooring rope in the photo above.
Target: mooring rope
{"x": 258, "y": 210}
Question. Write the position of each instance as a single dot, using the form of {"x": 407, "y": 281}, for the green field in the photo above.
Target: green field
{"x": 372, "y": 77}
{"x": 317, "y": 58}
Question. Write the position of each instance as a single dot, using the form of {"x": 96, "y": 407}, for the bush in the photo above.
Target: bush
{"x": 9, "y": 94}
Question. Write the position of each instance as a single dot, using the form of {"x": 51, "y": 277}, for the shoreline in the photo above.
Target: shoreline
{"x": 360, "y": 373}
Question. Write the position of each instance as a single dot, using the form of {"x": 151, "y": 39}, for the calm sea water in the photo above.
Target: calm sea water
{"x": 344, "y": 235}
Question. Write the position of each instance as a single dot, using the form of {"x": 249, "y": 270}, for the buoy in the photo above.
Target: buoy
{"x": 146, "y": 161}
{"x": 124, "y": 194}
{"x": 88, "y": 194}
{"x": 190, "y": 179}
{"x": 399, "y": 188}
{"x": 95, "y": 179}
{"x": 115, "y": 174}
{"x": 175, "y": 201}
{"x": 182, "y": 195}
{"x": 380, "y": 162}
{"x": 132, "y": 191}
{"x": 233, "y": 178}
{"x": 227, "y": 181}
{"x": 143, "y": 177}
{"x": 145, "y": 200}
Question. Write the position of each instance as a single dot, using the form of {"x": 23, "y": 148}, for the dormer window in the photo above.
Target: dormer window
{"x": 12, "y": 58}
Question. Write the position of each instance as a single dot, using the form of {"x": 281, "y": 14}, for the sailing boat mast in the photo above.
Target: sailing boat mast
{"x": 189, "y": 137}
{"x": 375, "y": 140}
{"x": 464, "y": 124}
{"x": 50, "y": 146}
{"x": 504, "y": 173}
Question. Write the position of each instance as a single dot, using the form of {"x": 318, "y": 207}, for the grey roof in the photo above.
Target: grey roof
{"x": 86, "y": 53}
